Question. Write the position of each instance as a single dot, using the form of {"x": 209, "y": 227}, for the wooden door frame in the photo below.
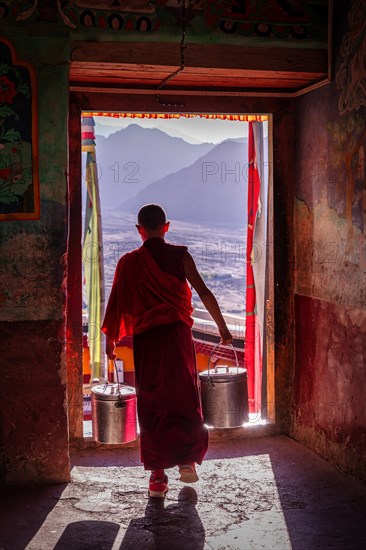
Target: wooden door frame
{"x": 280, "y": 346}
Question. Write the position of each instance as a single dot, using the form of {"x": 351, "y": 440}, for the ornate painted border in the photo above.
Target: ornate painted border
{"x": 35, "y": 215}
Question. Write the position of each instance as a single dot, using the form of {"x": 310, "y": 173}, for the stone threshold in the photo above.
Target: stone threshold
{"x": 215, "y": 434}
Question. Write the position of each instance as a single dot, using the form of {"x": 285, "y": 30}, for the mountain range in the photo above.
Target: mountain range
{"x": 131, "y": 159}
{"x": 213, "y": 189}
{"x": 105, "y": 130}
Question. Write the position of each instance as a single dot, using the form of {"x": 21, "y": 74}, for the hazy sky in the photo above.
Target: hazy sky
{"x": 195, "y": 129}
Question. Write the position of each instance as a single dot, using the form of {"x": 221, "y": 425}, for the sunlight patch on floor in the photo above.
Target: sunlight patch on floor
{"x": 235, "y": 505}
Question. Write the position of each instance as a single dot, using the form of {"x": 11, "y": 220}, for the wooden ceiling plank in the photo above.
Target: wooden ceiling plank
{"x": 74, "y": 74}
{"x": 230, "y": 73}
{"x": 130, "y": 67}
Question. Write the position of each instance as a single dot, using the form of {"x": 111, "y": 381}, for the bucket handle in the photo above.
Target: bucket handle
{"x": 119, "y": 395}
{"x": 118, "y": 384}
{"x": 211, "y": 354}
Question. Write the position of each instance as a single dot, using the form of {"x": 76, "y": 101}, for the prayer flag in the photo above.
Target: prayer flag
{"x": 93, "y": 252}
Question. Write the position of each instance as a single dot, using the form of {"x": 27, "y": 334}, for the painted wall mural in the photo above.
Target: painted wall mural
{"x": 348, "y": 156}
{"x": 330, "y": 243}
{"x": 331, "y": 186}
{"x": 349, "y": 131}
{"x": 264, "y": 18}
{"x": 292, "y": 20}
{"x": 19, "y": 183}
{"x": 33, "y": 253}
{"x": 133, "y": 15}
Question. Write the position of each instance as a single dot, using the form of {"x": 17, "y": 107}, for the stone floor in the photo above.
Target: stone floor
{"x": 267, "y": 493}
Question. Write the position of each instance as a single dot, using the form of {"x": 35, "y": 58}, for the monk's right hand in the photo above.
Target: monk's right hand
{"x": 226, "y": 337}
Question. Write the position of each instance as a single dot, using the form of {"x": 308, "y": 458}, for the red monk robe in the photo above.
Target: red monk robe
{"x": 151, "y": 300}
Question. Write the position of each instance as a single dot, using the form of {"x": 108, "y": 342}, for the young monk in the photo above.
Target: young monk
{"x": 151, "y": 300}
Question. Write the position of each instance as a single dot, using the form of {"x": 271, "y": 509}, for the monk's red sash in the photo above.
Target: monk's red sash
{"x": 143, "y": 296}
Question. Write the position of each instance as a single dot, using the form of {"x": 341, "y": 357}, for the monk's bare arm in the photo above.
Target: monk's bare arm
{"x": 208, "y": 299}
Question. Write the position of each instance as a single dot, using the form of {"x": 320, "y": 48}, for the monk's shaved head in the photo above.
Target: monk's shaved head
{"x": 151, "y": 217}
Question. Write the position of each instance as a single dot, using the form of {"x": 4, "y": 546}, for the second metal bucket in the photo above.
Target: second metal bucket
{"x": 114, "y": 417}
{"x": 114, "y": 413}
{"x": 224, "y": 392}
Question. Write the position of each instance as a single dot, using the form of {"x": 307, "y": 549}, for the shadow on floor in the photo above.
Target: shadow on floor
{"x": 323, "y": 507}
{"x": 252, "y": 493}
{"x": 84, "y": 535}
{"x": 176, "y": 526}
{"x": 23, "y": 512}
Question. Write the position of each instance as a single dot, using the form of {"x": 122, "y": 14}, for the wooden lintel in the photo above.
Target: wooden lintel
{"x": 203, "y": 92}
{"x": 157, "y": 71}
{"x": 216, "y": 56}
{"x": 143, "y": 82}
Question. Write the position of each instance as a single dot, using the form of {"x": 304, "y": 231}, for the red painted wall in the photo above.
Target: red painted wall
{"x": 329, "y": 382}
{"x": 329, "y": 385}
{"x": 33, "y": 428}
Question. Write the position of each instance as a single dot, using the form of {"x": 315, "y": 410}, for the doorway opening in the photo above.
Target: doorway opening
{"x": 216, "y": 188}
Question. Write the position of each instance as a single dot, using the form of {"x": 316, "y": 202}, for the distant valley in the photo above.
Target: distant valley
{"x": 218, "y": 252}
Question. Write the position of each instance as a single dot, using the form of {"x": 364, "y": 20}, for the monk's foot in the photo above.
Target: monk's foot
{"x": 188, "y": 473}
{"x": 158, "y": 484}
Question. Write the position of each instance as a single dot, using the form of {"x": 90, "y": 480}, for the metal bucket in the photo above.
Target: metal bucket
{"x": 224, "y": 393}
{"x": 114, "y": 418}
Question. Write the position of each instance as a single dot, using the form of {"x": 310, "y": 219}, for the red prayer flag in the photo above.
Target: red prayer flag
{"x": 253, "y": 359}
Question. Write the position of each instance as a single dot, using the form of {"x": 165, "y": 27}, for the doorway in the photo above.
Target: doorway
{"x": 262, "y": 249}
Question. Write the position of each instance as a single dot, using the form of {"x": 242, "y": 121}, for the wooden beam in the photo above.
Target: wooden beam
{"x": 190, "y": 81}
{"x": 215, "y": 56}
{"x": 160, "y": 71}
{"x": 125, "y": 67}
{"x": 190, "y": 92}
{"x": 74, "y": 331}
{"x": 157, "y": 72}
{"x": 254, "y": 59}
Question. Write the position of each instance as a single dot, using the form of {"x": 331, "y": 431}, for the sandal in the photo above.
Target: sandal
{"x": 158, "y": 487}
{"x": 188, "y": 473}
